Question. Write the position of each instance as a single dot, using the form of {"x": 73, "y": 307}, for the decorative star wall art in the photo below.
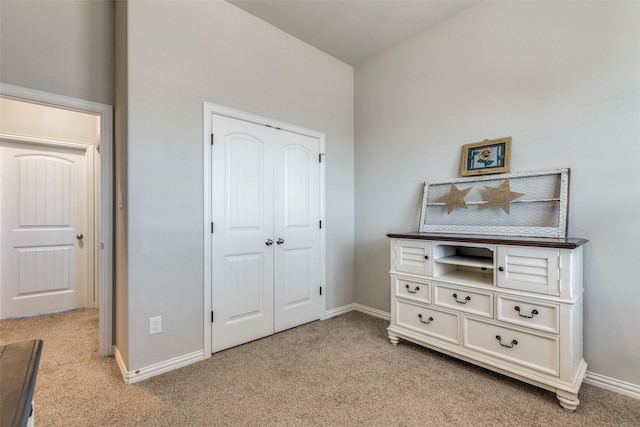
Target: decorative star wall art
{"x": 495, "y": 204}
{"x": 454, "y": 198}
{"x": 502, "y": 196}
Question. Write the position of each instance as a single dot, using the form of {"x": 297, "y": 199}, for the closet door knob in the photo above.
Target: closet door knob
{"x": 500, "y": 269}
{"x": 79, "y": 236}
{"x": 268, "y": 242}
{"x": 280, "y": 241}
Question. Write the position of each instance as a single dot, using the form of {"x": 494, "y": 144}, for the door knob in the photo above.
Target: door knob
{"x": 280, "y": 241}
{"x": 79, "y": 236}
{"x": 268, "y": 242}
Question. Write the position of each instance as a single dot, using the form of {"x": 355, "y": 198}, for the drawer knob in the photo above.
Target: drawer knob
{"x": 513, "y": 342}
{"x": 533, "y": 312}
{"x": 409, "y": 289}
{"x": 426, "y": 322}
{"x": 466, "y": 300}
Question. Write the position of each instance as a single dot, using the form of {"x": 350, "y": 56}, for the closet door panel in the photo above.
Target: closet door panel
{"x": 242, "y": 261}
{"x": 297, "y": 230}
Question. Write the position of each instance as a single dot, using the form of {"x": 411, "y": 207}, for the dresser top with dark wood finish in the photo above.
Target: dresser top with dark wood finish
{"x": 548, "y": 242}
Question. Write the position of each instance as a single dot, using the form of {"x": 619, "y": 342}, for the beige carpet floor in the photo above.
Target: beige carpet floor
{"x": 338, "y": 372}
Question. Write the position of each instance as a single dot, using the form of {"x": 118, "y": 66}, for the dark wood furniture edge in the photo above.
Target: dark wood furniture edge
{"x": 548, "y": 242}
{"x": 19, "y": 365}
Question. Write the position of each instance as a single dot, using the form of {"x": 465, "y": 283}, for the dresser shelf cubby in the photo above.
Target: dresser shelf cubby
{"x": 464, "y": 264}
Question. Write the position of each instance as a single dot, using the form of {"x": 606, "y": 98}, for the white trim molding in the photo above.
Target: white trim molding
{"x": 612, "y": 384}
{"x": 338, "y": 311}
{"x": 372, "y": 312}
{"x": 104, "y": 215}
{"x": 131, "y": 377}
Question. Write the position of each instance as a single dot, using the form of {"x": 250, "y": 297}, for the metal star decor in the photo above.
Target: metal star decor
{"x": 502, "y": 196}
{"x": 454, "y": 198}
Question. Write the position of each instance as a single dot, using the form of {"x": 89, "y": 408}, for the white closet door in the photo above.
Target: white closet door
{"x": 242, "y": 258}
{"x": 265, "y": 244}
{"x": 296, "y": 230}
{"x": 43, "y": 223}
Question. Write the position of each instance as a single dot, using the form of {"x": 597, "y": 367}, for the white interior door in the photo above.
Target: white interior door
{"x": 43, "y": 223}
{"x": 296, "y": 230}
{"x": 265, "y": 251}
{"x": 242, "y": 257}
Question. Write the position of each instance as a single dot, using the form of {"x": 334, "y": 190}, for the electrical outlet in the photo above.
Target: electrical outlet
{"x": 155, "y": 325}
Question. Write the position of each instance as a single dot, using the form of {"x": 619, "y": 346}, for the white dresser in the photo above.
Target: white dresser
{"x": 509, "y": 304}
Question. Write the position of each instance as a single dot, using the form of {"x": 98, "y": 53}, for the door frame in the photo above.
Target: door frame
{"x": 208, "y": 109}
{"x": 103, "y": 211}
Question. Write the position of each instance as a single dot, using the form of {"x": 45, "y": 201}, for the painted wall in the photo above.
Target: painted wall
{"x": 62, "y": 47}
{"x": 41, "y": 121}
{"x": 561, "y": 78}
{"x": 179, "y": 55}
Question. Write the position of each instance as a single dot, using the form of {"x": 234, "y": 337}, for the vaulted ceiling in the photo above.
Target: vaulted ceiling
{"x": 353, "y": 30}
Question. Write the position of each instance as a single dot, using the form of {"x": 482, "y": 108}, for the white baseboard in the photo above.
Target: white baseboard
{"x": 131, "y": 377}
{"x": 338, "y": 311}
{"x": 372, "y": 312}
{"x": 120, "y": 362}
{"x": 356, "y": 307}
{"x": 612, "y": 384}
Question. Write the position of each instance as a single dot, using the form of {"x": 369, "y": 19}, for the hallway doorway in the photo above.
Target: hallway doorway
{"x": 52, "y": 140}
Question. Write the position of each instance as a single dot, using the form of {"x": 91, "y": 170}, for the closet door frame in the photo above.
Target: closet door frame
{"x": 208, "y": 110}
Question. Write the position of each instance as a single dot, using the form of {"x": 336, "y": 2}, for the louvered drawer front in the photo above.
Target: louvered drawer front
{"x": 544, "y": 317}
{"x": 532, "y": 350}
{"x": 477, "y": 303}
{"x": 413, "y": 290}
{"x": 428, "y": 321}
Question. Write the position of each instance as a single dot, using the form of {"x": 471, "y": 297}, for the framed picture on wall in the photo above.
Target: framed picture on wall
{"x": 486, "y": 157}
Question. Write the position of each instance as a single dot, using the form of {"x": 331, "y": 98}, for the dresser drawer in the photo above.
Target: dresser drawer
{"x": 532, "y": 314}
{"x": 428, "y": 321}
{"x": 478, "y": 303}
{"x": 535, "y": 351}
{"x": 411, "y": 289}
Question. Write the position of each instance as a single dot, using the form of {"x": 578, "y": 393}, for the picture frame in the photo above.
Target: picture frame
{"x": 486, "y": 157}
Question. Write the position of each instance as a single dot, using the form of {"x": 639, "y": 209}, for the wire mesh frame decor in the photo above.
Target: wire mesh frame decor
{"x": 541, "y": 210}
